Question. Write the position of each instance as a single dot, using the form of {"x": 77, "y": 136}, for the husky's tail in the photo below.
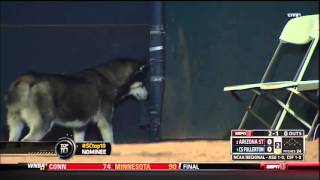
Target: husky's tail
{"x": 19, "y": 91}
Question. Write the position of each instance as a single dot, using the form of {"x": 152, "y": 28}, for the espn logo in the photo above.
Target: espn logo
{"x": 275, "y": 166}
{"x": 242, "y": 133}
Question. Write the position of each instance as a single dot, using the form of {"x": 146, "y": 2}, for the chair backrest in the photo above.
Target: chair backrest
{"x": 301, "y": 30}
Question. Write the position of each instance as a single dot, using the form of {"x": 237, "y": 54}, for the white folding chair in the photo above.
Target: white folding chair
{"x": 299, "y": 31}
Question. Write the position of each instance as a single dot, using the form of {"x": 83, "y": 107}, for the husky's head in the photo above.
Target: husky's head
{"x": 138, "y": 90}
{"x": 128, "y": 76}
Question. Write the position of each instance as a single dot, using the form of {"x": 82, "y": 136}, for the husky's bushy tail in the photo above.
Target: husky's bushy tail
{"x": 19, "y": 91}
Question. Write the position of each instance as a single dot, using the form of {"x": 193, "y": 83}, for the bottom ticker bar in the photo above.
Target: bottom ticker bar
{"x": 160, "y": 166}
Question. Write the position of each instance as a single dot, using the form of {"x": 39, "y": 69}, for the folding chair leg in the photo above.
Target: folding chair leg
{"x": 245, "y": 116}
{"x": 304, "y": 97}
{"x": 286, "y": 108}
{"x": 283, "y": 112}
{"x": 275, "y": 121}
{"x": 278, "y": 120}
{"x": 313, "y": 126}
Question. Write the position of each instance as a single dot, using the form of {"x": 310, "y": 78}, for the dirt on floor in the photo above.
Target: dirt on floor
{"x": 184, "y": 151}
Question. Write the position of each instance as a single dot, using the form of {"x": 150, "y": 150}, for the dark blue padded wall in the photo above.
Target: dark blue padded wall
{"x": 63, "y": 37}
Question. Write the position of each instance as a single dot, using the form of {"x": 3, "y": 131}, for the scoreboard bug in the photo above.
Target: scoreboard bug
{"x": 267, "y": 144}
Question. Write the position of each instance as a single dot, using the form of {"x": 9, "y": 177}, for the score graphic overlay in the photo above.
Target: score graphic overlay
{"x": 267, "y": 144}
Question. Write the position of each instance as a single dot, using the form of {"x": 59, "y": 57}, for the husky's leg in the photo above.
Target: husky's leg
{"x": 38, "y": 127}
{"x": 79, "y": 134}
{"x": 105, "y": 128}
{"x": 15, "y": 125}
{"x": 39, "y": 114}
{"x": 104, "y": 123}
{"x": 36, "y": 133}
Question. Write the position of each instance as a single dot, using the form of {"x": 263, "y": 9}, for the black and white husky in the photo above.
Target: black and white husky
{"x": 40, "y": 100}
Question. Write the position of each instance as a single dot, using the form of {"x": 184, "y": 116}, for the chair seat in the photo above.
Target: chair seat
{"x": 301, "y": 86}
{"x": 308, "y": 85}
{"x": 241, "y": 87}
{"x": 278, "y": 85}
{"x": 259, "y": 85}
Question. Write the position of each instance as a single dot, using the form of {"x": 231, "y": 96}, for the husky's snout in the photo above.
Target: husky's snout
{"x": 138, "y": 91}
